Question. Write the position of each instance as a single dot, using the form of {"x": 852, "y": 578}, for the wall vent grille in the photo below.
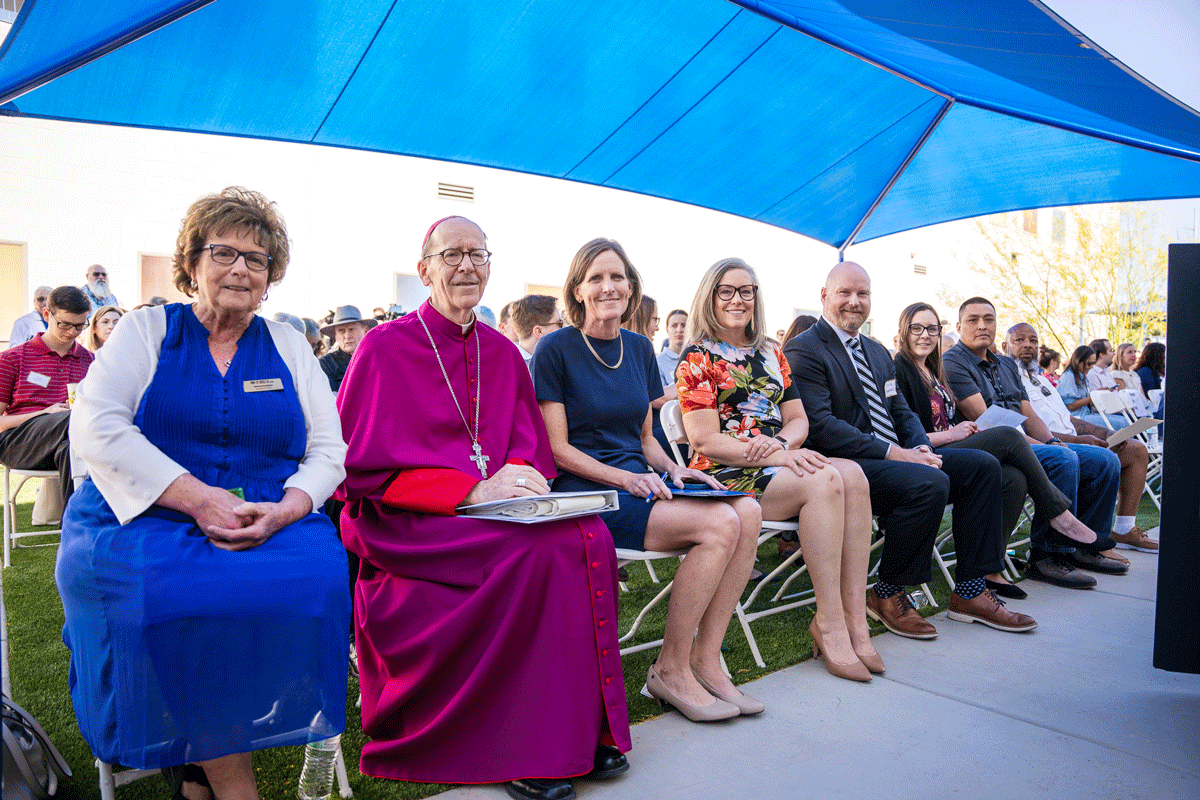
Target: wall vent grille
{"x": 454, "y": 191}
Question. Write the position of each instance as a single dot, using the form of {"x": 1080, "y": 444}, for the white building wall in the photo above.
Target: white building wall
{"x": 81, "y": 194}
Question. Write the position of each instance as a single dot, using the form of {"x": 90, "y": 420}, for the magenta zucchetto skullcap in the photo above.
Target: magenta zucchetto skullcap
{"x": 433, "y": 228}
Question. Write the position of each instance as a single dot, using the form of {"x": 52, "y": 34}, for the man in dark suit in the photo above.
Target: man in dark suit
{"x": 848, "y": 385}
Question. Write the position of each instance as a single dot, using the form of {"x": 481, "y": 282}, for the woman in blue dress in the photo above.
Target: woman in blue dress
{"x": 595, "y": 383}
{"x": 206, "y": 603}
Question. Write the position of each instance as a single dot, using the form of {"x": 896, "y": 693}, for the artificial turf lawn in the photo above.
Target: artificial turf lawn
{"x": 38, "y": 663}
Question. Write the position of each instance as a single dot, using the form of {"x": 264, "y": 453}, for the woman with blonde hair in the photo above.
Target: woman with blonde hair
{"x": 595, "y": 383}
{"x": 101, "y": 326}
{"x": 746, "y": 424}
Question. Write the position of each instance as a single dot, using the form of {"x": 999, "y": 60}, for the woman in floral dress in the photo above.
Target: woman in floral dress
{"x": 745, "y": 422}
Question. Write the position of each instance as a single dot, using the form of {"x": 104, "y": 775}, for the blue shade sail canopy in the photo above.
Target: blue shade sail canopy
{"x": 843, "y": 121}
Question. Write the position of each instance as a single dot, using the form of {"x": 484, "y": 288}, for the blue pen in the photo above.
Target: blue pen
{"x": 666, "y": 476}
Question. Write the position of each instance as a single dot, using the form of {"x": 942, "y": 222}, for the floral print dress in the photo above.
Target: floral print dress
{"x": 745, "y": 386}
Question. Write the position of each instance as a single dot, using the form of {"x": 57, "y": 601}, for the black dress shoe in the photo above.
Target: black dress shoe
{"x": 610, "y": 762}
{"x": 1054, "y": 569}
{"x": 1008, "y": 590}
{"x": 1095, "y": 562}
{"x": 541, "y": 789}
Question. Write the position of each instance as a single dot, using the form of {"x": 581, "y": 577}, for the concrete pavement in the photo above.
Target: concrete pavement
{"x": 1073, "y": 709}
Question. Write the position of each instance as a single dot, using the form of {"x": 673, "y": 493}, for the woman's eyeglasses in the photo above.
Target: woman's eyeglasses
{"x": 225, "y": 256}
{"x": 747, "y": 292}
{"x": 932, "y": 330}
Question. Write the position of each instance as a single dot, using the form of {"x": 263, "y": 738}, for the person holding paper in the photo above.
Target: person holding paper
{"x": 1087, "y": 475}
{"x": 1131, "y": 453}
{"x": 206, "y": 603}
{"x": 746, "y": 424}
{"x": 487, "y": 650}
{"x": 595, "y": 385}
{"x": 847, "y": 382}
{"x": 921, "y": 378}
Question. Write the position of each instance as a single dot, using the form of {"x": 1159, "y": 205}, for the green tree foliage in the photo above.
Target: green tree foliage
{"x": 1098, "y": 272}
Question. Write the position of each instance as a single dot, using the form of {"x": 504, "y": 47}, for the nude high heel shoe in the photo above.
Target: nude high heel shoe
{"x": 873, "y": 663}
{"x": 851, "y": 672}
{"x": 746, "y": 705}
{"x": 717, "y": 709}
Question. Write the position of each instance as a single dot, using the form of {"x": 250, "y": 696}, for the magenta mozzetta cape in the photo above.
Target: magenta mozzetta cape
{"x": 487, "y": 651}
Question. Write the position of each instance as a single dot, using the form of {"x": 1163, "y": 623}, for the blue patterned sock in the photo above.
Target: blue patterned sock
{"x": 885, "y": 590}
{"x": 969, "y": 590}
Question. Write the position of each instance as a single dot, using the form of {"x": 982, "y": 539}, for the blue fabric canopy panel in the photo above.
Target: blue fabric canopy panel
{"x": 844, "y": 119}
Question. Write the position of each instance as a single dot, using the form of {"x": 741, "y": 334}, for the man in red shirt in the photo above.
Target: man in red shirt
{"x": 33, "y": 389}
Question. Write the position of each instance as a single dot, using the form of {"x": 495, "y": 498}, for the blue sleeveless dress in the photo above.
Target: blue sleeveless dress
{"x": 181, "y": 651}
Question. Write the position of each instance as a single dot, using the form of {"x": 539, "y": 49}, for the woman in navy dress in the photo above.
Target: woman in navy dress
{"x": 595, "y": 383}
{"x": 206, "y": 604}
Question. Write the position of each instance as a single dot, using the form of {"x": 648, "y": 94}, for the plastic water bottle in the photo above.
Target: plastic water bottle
{"x": 919, "y": 601}
{"x": 316, "y": 779}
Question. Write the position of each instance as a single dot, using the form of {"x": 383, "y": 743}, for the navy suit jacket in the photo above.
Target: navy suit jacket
{"x": 834, "y": 399}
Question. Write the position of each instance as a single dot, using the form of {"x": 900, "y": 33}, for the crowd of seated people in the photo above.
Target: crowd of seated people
{"x": 402, "y": 420}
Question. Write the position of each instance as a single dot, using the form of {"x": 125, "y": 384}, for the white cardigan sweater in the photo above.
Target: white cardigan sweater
{"x": 129, "y": 471}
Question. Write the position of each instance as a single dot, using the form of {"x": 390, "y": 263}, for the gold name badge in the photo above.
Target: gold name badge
{"x": 263, "y": 385}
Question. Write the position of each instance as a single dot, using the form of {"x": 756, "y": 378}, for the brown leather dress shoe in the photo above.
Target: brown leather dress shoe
{"x": 898, "y": 616}
{"x": 1136, "y": 539}
{"x": 989, "y": 609}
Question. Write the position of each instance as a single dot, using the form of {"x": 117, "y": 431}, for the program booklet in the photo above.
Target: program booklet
{"x": 556, "y": 505}
{"x": 1131, "y": 430}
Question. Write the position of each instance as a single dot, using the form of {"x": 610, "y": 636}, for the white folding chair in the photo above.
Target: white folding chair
{"x": 11, "y": 534}
{"x": 625, "y": 557}
{"x": 672, "y": 424}
{"x": 1119, "y": 404}
{"x": 110, "y": 779}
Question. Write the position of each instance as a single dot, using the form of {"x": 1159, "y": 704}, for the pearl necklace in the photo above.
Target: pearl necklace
{"x": 597, "y": 355}
{"x": 479, "y": 458}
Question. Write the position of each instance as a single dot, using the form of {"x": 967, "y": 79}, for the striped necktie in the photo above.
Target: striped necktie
{"x": 881, "y": 420}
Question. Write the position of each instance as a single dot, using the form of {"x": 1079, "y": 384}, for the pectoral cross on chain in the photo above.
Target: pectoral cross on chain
{"x": 480, "y": 459}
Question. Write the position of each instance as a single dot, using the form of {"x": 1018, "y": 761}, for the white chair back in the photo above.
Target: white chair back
{"x": 671, "y": 417}
{"x": 1108, "y": 402}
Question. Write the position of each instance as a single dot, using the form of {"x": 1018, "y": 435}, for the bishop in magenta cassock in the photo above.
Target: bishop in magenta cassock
{"x": 487, "y": 650}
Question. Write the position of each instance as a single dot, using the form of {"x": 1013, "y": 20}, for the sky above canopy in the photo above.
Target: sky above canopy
{"x": 767, "y": 110}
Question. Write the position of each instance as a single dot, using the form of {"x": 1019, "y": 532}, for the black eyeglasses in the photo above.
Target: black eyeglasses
{"x": 747, "y": 292}
{"x": 932, "y": 330}
{"x": 225, "y": 255}
{"x": 454, "y": 257}
{"x": 99, "y": 275}
{"x": 68, "y": 326}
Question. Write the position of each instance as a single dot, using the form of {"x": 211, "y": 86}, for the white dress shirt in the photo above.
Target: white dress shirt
{"x": 1100, "y": 378}
{"x": 1049, "y": 407}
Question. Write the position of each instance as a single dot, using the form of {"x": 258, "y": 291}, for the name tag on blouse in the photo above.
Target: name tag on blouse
{"x": 263, "y": 385}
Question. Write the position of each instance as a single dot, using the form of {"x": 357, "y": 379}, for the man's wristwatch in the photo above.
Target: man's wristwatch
{"x": 1054, "y": 440}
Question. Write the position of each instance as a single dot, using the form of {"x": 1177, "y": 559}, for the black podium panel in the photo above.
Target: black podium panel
{"x": 1176, "y": 630}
